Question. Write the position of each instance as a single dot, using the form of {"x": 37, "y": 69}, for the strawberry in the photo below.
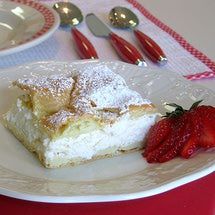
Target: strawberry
{"x": 192, "y": 143}
{"x": 181, "y": 133}
{"x": 207, "y": 138}
{"x": 154, "y": 155}
{"x": 190, "y": 147}
{"x": 174, "y": 142}
{"x": 157, "y": 134}
{"x": 183, "y": 136}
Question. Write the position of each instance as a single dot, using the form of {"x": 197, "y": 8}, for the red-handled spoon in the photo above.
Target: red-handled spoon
{"x": 71, "y": 15}
{"x": 122, "y": 17}
{"x": 151, "y": 48}
{"x": 83, "y": 46}
{"x": 124, "y": 49}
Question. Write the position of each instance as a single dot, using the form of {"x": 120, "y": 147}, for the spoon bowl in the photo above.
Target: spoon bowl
{"x": 70, "y": 15}
{"x": 121, "y": 17}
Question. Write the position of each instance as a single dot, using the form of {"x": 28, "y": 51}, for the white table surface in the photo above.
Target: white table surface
{"x": 193, "y": 19}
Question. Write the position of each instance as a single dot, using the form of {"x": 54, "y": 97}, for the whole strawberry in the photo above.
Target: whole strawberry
{"x": 181, "y": 133}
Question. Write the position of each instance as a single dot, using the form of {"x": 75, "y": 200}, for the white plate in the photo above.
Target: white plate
{"x": 119, "y": 178}
{"x": 25, "y": 23}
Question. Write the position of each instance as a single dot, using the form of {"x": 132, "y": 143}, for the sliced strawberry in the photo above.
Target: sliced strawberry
{"x": 157, "y": 134}
{"x": 207, "y": 140}
{"x": 192, "y": 143}
{"x": 184, "y": 136}
{"x": 190, "y": 147}
{"x": 154, "y": 155}
{"x": 208, "y": 110}
{"x": 207, "y": 137}
{"x": 175, "y": 140}
{"x": 182, "y": 133}
{"x": 168, "y": 156}
{"x": 178, "y": 146}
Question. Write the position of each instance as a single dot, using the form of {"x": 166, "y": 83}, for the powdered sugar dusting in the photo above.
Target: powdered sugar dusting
{"x": 59, "y": 118}
{"x": 95, "y": 90}
{"x": 98, "y": 87}
{"x": 53, "y": 83}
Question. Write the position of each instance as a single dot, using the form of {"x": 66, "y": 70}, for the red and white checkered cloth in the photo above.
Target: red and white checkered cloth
{"x": 182, "y": 57}
{"x": 197, "y": 73}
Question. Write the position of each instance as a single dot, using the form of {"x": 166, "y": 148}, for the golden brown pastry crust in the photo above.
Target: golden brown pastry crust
{"x": 58, "y": 101}
{"x": 48, "y": 95}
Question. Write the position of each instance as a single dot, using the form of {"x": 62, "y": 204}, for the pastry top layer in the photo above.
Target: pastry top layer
{"x": 99, "y": 88}
{"x": 96, "y": 92}
{"x": 47, "y": 94}
{"x": 55, "y": 84}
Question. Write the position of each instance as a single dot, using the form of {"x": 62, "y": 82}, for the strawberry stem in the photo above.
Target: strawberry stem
{"x": 195, "y": 104}
{"x": 179, "y": 110}
{"x": 175, "y": 105}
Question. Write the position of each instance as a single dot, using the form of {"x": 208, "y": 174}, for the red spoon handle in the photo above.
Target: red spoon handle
{"x": 126, "y": 51}
{"x": 151, "y": 48}
{"x": 84, "y": 47}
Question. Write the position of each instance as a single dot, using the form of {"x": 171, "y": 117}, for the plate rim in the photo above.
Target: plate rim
{"x": 184, "y": 179}
{"x": 38, "y": 37}
{"x": 109, "y": 198}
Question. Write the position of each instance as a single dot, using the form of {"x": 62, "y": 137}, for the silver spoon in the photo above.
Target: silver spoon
{"x": 71, "y": 15}
{"x": 121, "y": 17}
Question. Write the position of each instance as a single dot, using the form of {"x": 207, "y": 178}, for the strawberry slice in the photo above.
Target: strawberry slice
{"x": 184, "y": 136}
{"x": 154, "y": 155}
{"x": 168, "y": 156}
{"x": 207, "y": 138}
{"x": 173, "y": 144}
{"x": 192, "y": 143}
{"x": 162, "y": 132}
{"x": 157, "y": 134}
{"x": 190, "y": 147}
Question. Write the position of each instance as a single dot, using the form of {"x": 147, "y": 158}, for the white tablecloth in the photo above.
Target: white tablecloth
{"x": 60, "y": 45}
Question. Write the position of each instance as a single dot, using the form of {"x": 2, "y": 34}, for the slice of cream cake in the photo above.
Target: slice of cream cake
{"x": 71, "y": 119}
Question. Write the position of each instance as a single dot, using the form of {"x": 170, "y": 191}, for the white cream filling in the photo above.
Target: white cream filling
{"x": 22, "y": 118}
{"x": 122, "y": 134}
